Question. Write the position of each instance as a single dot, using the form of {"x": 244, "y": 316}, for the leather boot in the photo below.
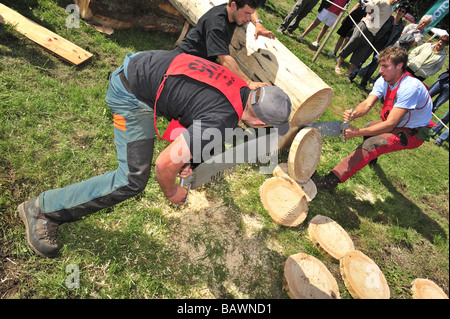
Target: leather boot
{"x": 40, "y": 231}
{"x": 328, "y": 182}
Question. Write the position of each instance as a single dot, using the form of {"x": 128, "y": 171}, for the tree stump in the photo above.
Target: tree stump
{"x": 362, "y": 277}
{"x": 427, "y": 289}
{"x": 329, "y": 237}
{"x": 304, "y": 154}
{"x": 306, "y": 277}
{"x": 157, "y": 15}
{"x": 284, "y": 200}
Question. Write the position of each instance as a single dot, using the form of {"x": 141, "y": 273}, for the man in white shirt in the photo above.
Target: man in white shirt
{"x": 406, "y": 117}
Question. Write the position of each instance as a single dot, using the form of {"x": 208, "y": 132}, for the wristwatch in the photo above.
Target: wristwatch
{"x": 259, "y": 21}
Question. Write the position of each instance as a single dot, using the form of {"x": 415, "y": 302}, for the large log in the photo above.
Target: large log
{"x": 157, "y": 15}
{"x": 268, "y": 60}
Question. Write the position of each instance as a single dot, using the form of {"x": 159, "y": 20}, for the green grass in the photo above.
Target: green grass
{"x": 56, "y": 129}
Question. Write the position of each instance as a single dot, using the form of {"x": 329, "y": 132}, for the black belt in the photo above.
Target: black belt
{"x": 124, "y": 81}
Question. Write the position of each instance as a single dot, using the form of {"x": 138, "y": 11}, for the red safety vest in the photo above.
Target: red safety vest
{"x": 390, "y": 97}
{"x": 209, "y": 73}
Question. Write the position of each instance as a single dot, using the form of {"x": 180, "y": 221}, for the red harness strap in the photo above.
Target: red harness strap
{"x": 206, "y": 72}
{"x": 390, "y": 98}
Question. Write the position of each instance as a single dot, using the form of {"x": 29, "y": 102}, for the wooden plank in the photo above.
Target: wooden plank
{"x": 44, "y": 37}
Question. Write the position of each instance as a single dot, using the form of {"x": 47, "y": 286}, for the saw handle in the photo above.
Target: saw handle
{"x": 183, "y": 182}
{"x": 345, "y": 126}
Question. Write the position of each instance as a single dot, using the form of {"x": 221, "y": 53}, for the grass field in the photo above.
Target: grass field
{"x": 56, "y": 129}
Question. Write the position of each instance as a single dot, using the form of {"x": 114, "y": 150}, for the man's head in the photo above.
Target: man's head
{"x": 403, "y": 8}
{"x": 268, "y": 106}
{"x": 393, "y": 61}
{"x": 442, "y": 43}
{"x": 240, "y": 11}
{"x": 425, "y": 22}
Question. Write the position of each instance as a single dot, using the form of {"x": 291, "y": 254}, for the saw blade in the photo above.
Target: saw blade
{"x": 262, "y": 150}
{"x": 331, "y": 128}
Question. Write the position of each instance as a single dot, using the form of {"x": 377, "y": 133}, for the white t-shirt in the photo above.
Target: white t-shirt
{"x": 413, "y": 96}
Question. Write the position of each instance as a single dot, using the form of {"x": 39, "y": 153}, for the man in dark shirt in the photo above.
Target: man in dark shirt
{"x": 200, "y": 94}
{"x": 211, "y": 36}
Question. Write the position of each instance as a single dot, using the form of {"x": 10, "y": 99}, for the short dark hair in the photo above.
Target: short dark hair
{"x": 394, "y": 54}
{"x": 254, "y": 4}
{"x": 444, "y": 39}
{"x": 404, "y": 5}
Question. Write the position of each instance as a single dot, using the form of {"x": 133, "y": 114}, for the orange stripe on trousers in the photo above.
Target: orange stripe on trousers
{"x": 120, "y": 122}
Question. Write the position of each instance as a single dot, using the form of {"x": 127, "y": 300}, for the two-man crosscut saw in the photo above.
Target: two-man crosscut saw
{"x": 261, "y": 150}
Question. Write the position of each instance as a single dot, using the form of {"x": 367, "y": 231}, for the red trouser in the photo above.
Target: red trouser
{"x": 375, "y": 146}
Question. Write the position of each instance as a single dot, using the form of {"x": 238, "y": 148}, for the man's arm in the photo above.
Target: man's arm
{"x": 171, "y": 162}
{"x": 395, "y": 116}
{"x": 260, "y": 29}
{"x": 230, "y": 63}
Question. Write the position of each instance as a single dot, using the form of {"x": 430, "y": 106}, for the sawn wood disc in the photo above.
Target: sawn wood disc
{"x": 284, "y": 200}
{"x": 306, "y": 277}
{"x": 329, "y": 237}
{"x": 427, "y": 289}
{"x": 362, "y": 277}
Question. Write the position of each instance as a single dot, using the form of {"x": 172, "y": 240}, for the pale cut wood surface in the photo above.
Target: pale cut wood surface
{"x": 329, "y": 237}
{"x": 427, "y": 289}
{"x": 304, "y": 154}
{"x": 310, "y": 189}
{"x": 268, "y": 60}
{"x": 362, "y": 277}
{"x": 306, "y": 277}
{"x": 284, "y": 200}
{"x": 44, "y": 37}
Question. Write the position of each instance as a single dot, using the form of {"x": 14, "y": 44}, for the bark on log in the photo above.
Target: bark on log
{"x": 270, "y": 61}
{"x": 306, "y": 277}
{"x": 158, "y": 15}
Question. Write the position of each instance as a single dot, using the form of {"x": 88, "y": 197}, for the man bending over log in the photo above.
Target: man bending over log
{"x": 211, "y": 36}
{"x": 195, "y": 93}
{"x": 405, "y": 118}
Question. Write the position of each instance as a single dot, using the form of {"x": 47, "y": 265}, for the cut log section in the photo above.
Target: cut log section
{"x": 44, "y": 37}
{"x": 157, "y": 15}
{"x": 427, "y": 289}
{"x": 304, "y": 154}
{"x": 329, "y": 237}
{"x": 310, "y": 189}
{"x": 306, "y": 277}
{"x": 284, "y": 200}
{"x": 362, "y": 277}
{"x": 268, "y": 60}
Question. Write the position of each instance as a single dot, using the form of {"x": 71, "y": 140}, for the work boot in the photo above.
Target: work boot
{"x": 40, "y": 231}
{"x": 328, "y": 182}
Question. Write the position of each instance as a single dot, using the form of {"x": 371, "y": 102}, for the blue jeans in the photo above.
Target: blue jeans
{"x": 441, "y": 88}
{"x": 134, "y": 135}
{"x": 438, "y": 129}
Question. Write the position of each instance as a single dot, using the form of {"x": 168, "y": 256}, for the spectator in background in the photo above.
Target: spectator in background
{"x": 427, "y": 59}
{"x": 414, "y": 33}
{"x": 298, "y": 12}
{"x": 436, "y": 130}
{"x": 395, "y": 26}
{"x": 328, "y": 13}
{"x": 440, "y": 87}
{"x": 378, "y": 12}
{"x": 345, "y": 31}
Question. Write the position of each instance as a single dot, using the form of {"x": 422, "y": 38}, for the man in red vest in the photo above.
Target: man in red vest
{"x": 405, "y": 118}
{"x": 197, "y": 95}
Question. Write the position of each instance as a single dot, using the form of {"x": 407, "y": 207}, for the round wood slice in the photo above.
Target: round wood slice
{"x": 284, "y": 200}
{"x": 329, "y": 237}
{"x": 427, "y": 289}
{"x": 362, "y": 277}
{"x": 306, "y": 277}
{"x": 304, "y": 154}
{"x": 310, "y": 189}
